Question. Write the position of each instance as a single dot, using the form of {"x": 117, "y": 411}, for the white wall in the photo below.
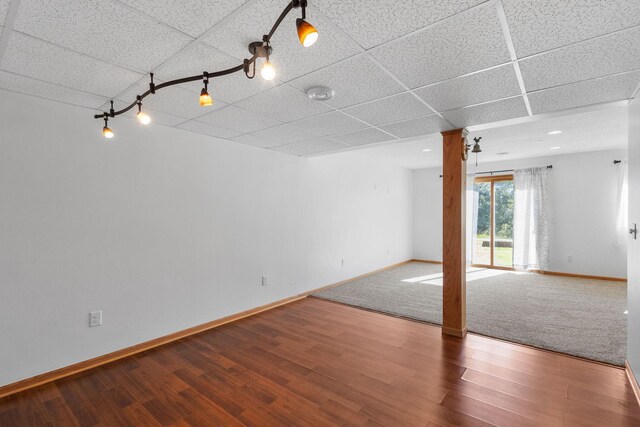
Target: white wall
{"x": 633, "y": 287}
{"x": 583, "y": 190}
{"x": 164, "y": 229}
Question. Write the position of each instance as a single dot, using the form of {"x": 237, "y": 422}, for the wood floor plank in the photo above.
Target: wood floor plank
{"x": 317, "y": 363}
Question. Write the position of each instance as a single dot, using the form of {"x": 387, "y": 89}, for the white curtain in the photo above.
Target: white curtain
{"x": 623, "y": 207}
{"x": 471, "y": 216}
{"x": 531, "y": 219}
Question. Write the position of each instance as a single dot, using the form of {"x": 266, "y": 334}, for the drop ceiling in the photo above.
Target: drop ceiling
{"x": 399, "y": 69}
{"x": 592, "y": 129}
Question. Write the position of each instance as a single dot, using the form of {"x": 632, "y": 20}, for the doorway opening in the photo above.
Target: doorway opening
{"x": 493, "y": 236}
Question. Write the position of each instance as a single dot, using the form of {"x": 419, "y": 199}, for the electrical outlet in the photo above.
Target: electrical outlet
{"x": 264, "y": 281}
{"x": 570, "y": 258}
{"x": 95, "y": 319}
{"x": 342, "y": 262}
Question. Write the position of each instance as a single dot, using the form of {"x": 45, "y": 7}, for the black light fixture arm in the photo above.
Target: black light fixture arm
{"x": 153, "y": 88}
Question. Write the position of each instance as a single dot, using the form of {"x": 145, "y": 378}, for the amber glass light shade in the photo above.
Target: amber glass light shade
{"x": 205, "y": 98}
{"x": 307, "y": 33}
{"x": 108, "y": 133}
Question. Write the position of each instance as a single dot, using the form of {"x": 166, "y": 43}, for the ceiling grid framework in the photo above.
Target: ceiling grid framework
{"x": 463, "y": 64}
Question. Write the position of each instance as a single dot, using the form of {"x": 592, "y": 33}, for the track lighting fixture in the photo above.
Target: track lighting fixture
{"x": 262, "y": 49}
{"x": 108, "y": 133}
{"x": 205, "y": 98}
{"x": 142, "y": 116}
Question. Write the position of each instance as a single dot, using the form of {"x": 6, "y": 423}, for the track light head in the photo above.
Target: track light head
{"x": 106, "y": 132}
{"x": 205, "y": 98}
{"x": 142, "y": 116}
{"x": 307, "y": 33}
{"x": 267, "y": 71}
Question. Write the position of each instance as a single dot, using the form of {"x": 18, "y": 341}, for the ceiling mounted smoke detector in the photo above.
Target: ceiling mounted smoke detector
{"x": 320, "y": 93}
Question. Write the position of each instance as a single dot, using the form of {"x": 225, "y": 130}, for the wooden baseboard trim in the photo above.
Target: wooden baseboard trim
{"x": 581, "y": 276}
{"x": 550, "y": 273}
{"x": 454, "y": 332}
{"x": 66, "y": 371}
{"x": 632, "y": 380}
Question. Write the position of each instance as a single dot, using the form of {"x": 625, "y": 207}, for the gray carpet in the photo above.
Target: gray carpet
{"x": 581, "y": 317}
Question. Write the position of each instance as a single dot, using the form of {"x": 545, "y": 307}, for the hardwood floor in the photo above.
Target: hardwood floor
{"x": 315, "y": 363}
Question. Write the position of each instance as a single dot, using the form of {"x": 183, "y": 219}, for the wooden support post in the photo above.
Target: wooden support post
{"x": 454, "y": 289}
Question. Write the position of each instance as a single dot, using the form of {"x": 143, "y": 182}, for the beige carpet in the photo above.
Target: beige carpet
{"x": 582, "y": 317}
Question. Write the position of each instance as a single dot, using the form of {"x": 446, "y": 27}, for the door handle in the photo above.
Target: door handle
{"x": 634, "y": 231}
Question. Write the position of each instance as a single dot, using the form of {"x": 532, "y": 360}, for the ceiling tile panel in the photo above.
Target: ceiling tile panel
{"x": 490, "y": 85}
{"x": 173, "y": 100}
{"x": 289, "y": 57}
{"x": 43, "y": 61}
{"x": 4, "y": 8}
{"x": 487, "y": 113}
{"x": 192, "y": 17}
{"x": 392, "y": 109}
{"x": 285, "y": 134}
{"x": 606, "y": 89}
{"x": 416, "y": 127}
{"x": 160, "y": 118}
{"x": 614, "y": 53}
{"x": 237, "y": 119}
{"x": 354, "y": 81}
{"x": 26, "y": 85}
{"x": 256, "y": 141}
{"x": 371, "y": 23}
{"x": 193, "y": 60}
{"x": 207, "y": 129}
{"x": 106, "y": 30}
{"x": 538, "y": 26}
{"x": 284, "y": 103}
{"x": 473, "y": 42}
{"x": 363, "y": 137}
{"x": 313, "y": 146}
{"x": 330, "y": 124}
{"x": 235, "y": 87}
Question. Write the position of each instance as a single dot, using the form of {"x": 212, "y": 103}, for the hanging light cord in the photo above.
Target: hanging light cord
{"x": 153, "y": 88}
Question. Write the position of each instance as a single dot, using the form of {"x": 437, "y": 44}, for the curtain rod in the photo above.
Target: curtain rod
{"x": 501, "y": 171}
{"x": 504, "y": 170}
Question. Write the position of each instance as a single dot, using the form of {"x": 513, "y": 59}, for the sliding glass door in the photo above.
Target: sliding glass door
{"x": 493, "y": 242}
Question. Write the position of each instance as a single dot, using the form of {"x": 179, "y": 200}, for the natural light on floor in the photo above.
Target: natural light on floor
{"x": 472, "y": 274}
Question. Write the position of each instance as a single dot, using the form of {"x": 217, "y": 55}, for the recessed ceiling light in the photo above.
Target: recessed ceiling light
{"x": 427, "y": 149}
{"x": 554, "y": 132}
{"x": 554, "y": 148}
{"x": 537, "y": 141}
{"x": 504, "y": 153}
{"x": 320, "y": 93}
